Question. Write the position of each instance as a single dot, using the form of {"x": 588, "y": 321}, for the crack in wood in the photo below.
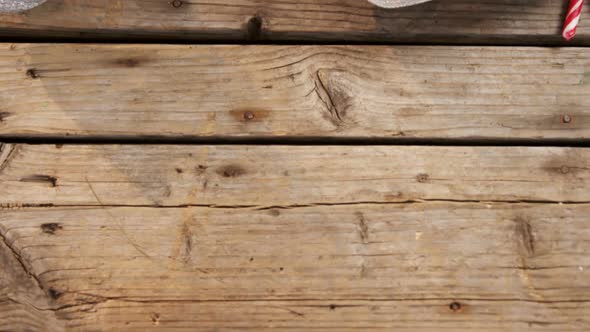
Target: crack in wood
{"x": 363, "y": 228}
{"x": 27, "y": 269}
{"x": 322, "y": 91}
{"x": 8, "y": 205}
{"x": 7, "y": 152}
{"x": 121, "y": 228}
{"x": 41, "y": 178}
{"x": 526, "y": 238}
{"x": 101, "y": 299}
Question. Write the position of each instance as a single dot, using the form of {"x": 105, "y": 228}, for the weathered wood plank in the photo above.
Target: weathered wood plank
{"x": 409, "y": 267}
{"x": 451, "y": 21}
{"x": 294, "y": 91}
{"x": 23, "y": 305}
{"x": 173, "y": 175}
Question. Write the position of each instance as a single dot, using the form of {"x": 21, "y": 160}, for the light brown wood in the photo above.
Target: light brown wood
{"x": 452, "y": 21}
{"x": 404, "y": 267}
{"x": 136, "y": 237}
{"x": 23, "y": 302}
{"x": 301, "y": 238}
{"x": 294, "y": 91}
{"x": 173, "y": 175}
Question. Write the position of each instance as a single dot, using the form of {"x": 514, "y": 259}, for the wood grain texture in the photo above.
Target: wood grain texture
{"x": 500, "y": 93}
{"x": 22, "y": 301}
{"x": 263, "y": 176}
{"x": 441, "y": 21}
{"x": 408, "y": 267}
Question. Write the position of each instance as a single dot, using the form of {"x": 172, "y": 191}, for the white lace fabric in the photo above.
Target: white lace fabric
{"x": 8, "y": 6}
{"x": 396, "y": 3}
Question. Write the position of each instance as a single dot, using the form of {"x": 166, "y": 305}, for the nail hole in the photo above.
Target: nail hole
{"x": 54, "y": 293}
{"x": 455, "y": 306}
{"x": 255, "y": 27}
{"x": 32, "y": 73}
{"x": 3, "y": 115}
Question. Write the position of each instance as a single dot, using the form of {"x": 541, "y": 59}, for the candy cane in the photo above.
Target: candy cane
{"x": 572, "y": 19}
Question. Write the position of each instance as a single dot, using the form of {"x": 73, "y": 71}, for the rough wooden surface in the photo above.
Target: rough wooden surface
{"x": 22, "y": 301}
{"x": 296, "y": 91}
{"x": 302, "y": 238}
{"x": 440, "y": 21}
{"x": 171, "y": 175}
{"x": 409, "y": 267}
{"x": 138, "y": 237}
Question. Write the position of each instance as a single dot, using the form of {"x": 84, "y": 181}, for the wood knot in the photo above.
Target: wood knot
{"x": 422, "y": 177}
{"x": 155, "y": 318}
{"x": 33, "y": 73}
{"x": 51, "y": 228}
{"x": 335, "y": 96}
{"x": 231, "y": 171}
{"x": 564, "y": 170}
{"x": 130, "y": 62}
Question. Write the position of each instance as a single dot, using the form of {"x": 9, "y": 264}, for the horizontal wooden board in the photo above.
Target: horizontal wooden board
{"x": 21, "y": 299}
{"x": 404, "y": 267}
{"x": 183, "y": 91}
{"x": 440, "y": 21}
{"x": 242, "y": 175}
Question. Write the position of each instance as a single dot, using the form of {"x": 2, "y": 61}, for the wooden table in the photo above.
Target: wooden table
{"x": 282, "y": 165}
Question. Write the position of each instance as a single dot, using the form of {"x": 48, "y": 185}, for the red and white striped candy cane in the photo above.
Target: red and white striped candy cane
{"x": 572, "y": 19}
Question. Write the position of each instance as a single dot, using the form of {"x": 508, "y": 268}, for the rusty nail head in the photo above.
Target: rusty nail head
{"x": 566, "y": 119}
{"x": 248, "y": 115}
{"x": 177, "y": 3}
